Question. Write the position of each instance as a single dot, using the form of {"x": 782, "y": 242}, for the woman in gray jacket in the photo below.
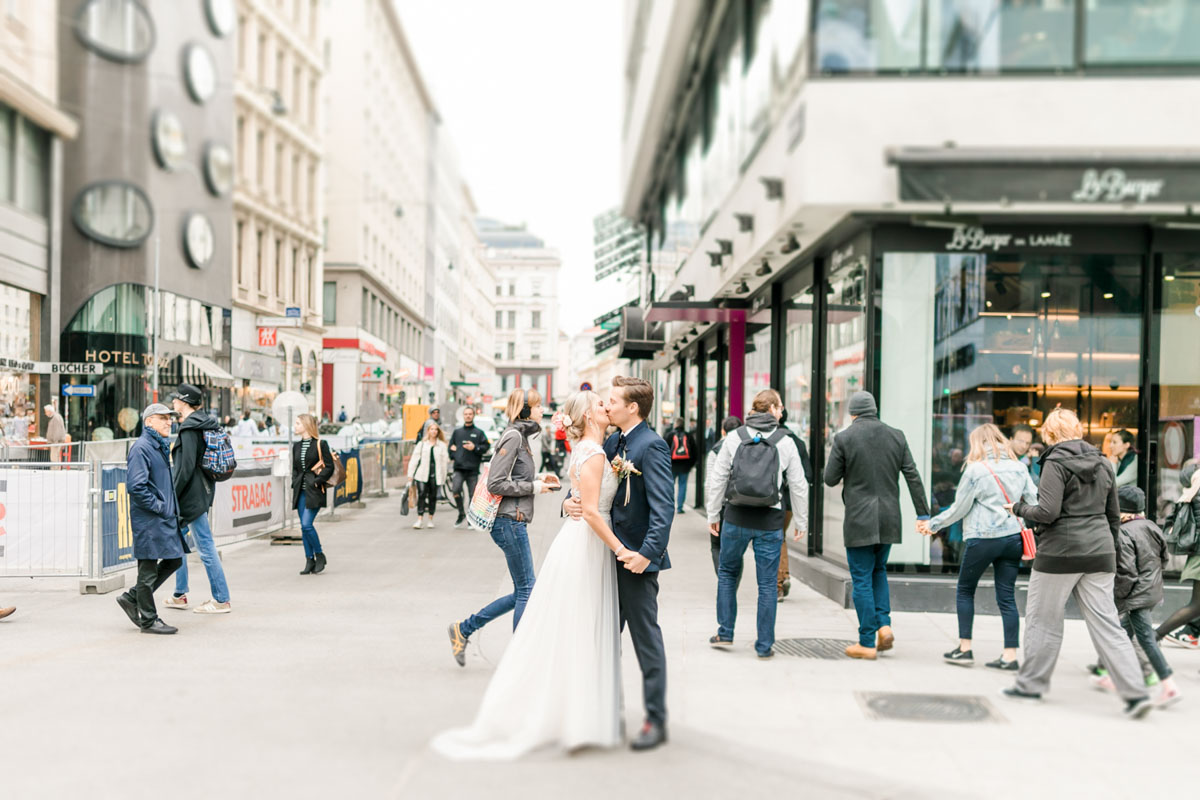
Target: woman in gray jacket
{"x": 1077, "y": 557}
{"x": 992, "y": 476}
{"x": 511, "y": 475}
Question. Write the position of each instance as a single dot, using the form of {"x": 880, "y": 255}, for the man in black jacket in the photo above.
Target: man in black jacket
{"x": 195, "y": 491}
{"x": 468, "y": 445}
{"x": 872, "y": 456}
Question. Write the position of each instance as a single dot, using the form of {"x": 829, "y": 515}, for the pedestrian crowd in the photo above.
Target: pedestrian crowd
{"x": 1069, "y": 510}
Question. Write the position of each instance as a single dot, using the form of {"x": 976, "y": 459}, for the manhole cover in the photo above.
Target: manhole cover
{"x": 813, "y": 648}
{"x": 927, "y": 707}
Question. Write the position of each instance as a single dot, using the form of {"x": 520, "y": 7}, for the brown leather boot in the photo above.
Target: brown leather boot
{"x": 4, "y": 612}
{"x": 885, "y": 640}
{"x": 858, "y": 651}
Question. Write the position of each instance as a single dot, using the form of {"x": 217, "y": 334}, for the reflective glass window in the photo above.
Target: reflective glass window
{"x": 33, "y": 151}
{"x": 113, "y": 213}
{"x": 992, "y": 35}
{"x": 1177, "y": 325}
{"x": 1149, "y": 32}
{"x": 868, "y": 35}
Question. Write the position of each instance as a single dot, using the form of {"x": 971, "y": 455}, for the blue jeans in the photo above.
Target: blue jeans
{"x": 308, "y": 532}
{"x": 1004, "y": 556}
{"x": 681, "y": 482}
{"x": 513, "y": 540}
{"x": 868, "y": 571}
{"x": 734, "y": 541}
{"x": 202, "y": 533}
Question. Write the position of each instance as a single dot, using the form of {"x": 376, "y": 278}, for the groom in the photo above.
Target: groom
{"x": 641, "y": 515}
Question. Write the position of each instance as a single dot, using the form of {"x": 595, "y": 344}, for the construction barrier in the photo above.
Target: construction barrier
{"x": 45, "y": 519}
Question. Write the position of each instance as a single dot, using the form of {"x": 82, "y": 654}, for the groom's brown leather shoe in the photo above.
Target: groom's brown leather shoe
{"x": 858, "y": 651}
{"x": 884, "y": 639}
{"x": 653, "y": 734}
{"x": 4, "y": 612}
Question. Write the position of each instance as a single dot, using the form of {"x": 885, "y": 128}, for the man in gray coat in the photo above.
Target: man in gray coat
{"x": 56, "y": 432}
{"x": 871, "y": 456}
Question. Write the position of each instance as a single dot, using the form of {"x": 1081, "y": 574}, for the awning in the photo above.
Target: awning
{"x": 203, "y": 371}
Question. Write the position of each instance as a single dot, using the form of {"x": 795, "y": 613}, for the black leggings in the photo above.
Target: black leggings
{"x": 427, "y": 494}
{"x": 1184, "y": 615}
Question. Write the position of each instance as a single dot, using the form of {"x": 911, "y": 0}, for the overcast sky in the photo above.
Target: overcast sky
{"x": 530, "y": 91}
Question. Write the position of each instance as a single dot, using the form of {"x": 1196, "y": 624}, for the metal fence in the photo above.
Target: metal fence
{"x": 46, "y": 520}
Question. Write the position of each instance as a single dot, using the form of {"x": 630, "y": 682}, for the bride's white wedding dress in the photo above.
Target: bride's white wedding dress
{"x": 558, "y": 683}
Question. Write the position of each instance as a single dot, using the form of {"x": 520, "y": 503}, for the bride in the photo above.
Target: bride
{"x": 558, "y": 683}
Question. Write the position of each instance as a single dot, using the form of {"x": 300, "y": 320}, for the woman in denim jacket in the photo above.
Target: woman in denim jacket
{"x": 992, "y": 476}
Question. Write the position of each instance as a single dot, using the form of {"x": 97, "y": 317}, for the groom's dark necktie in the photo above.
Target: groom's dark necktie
{"x": 621, "y": 445}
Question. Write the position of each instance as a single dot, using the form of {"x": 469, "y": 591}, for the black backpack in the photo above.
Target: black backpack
{"x": 754, "y": 475}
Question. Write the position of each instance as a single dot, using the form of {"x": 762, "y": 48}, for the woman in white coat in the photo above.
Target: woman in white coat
{"x": 427, "y": 468}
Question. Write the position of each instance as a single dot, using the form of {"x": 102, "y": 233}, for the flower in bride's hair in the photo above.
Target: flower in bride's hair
{"x": 567, "y": 421}
{"x": 560, "y": 421}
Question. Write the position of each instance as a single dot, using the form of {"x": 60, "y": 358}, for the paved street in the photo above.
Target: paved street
{"x": 332, "y": 686}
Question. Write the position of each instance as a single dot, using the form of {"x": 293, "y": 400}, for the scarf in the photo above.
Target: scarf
{"x": 163, "y": 443}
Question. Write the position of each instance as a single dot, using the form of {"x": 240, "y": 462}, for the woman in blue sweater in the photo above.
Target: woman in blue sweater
{"x": 992, "y": 476}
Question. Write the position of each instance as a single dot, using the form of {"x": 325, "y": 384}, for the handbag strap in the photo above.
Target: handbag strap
{"x": 1000, "y": 483}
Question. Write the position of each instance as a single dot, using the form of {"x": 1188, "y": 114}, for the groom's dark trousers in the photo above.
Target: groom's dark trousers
{"x": 638, "y": 596}
{"x": 642, "y": 513}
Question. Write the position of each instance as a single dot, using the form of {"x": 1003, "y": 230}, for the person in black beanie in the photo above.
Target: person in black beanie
{"x": 871, "y": 457}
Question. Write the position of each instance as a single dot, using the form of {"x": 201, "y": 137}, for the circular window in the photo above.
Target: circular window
{"x": 114, "y": 213}
{"x": 222, "y": 16}
{"x": 119, "y": 30}
{"x": 218, "y": 168}
{"x": 199, "y": 243}
{"x": 200, "y": 72}
{"x": 169, "y": 140}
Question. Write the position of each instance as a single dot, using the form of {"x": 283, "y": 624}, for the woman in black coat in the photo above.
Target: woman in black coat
{"x": 312, "y": 467}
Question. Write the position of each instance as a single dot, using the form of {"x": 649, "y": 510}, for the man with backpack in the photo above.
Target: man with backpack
{"x": 683, "y": 458}
{"x": 871, "y": 457}
{"x": 199, "y": 442}
{"x": 748, "y": 478}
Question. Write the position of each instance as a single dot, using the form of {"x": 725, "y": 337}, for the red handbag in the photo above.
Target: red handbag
{"x": 1028, "y": 543}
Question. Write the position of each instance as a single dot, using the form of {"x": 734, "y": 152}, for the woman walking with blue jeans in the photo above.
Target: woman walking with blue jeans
{"x": 312, "y": 467}
{"x": 992, "y": 477}
{"x": 511, "y": 475}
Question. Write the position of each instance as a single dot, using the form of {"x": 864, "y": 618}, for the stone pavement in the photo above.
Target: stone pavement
{"x": 332, "y": 685}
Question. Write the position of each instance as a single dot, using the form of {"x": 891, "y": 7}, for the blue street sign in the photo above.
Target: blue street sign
{"x": 292, "y": 311}
{"x": 75, "y": 390}
{"x": 585, "y": 387}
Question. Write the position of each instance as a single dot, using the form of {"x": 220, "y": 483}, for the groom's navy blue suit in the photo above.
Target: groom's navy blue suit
{"x": 644, "y": 525}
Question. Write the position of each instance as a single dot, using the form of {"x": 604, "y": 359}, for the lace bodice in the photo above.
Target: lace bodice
{"x": 581, "y": 452}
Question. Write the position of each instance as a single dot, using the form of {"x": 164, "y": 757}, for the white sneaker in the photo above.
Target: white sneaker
{"x": 417, "y": 525}
{"x": 212, "y": 607}
{"x": 429, "y": 525}
{"x": 176, "y": 602}
{"x": 1169, "y": 696}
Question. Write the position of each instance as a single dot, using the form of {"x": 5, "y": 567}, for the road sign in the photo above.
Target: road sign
{"x": 75, "y": 390}
{"x": 292, "y": 312}
{"x": 279, "y": 322}
{"x": 268, "y": 337}
{"x": 585, "y": 387}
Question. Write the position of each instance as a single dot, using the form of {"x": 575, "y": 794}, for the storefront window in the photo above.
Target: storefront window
{"x": 297, "y": 376}
{"x": 798, "y": 351}
{"x": 1014, "y": 335}
{"x": 1178, "y": 327}
{"x": 688, "y": 412}
{"x": 868, "y": 35}
{"x": 975, "y": 36}
{"x": 1153, "y": 32}
{"x": 282, "y": 354}
{"x": 758, "y": 359}
{"x": 845, "y": 371}
{"x": 18, "y": 390}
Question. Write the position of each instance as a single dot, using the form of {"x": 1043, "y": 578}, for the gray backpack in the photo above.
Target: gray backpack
{"x": 754, "y": 475}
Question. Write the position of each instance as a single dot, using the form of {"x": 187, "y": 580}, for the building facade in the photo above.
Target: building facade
{"x": 32, "y": 128}
{"x": 526, "y": 347}
{"x": 146, "y": 207}
{"x": 915, "y": 200}
{"x": 476, "y": 309}
{"x": 377, "y": 293}
{"x": 277, "y": 286}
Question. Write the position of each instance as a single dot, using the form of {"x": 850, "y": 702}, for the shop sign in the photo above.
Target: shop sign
{"x": 292, "y": 312}
{"x": 1114, "y": 186}
{"x": 255, "y": 366}
{"x": 605, "y": 341}
{"x": 971, "y": 237}
{"x": 51, "y": 367}
{"x": 373, "y": 374}
{"x": 268, "y": 337}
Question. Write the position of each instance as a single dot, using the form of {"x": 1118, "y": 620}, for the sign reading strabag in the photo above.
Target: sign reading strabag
{"x": 252, "y": 500}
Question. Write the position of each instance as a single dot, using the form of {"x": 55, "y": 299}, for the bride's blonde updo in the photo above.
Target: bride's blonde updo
{"x": 575, "y": 409}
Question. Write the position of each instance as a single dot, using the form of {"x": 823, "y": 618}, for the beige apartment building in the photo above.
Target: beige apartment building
{"x": 277, "y": 327}
{"x": 378, "y": 297}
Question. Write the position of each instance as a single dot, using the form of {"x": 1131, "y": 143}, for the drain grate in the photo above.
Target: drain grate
{"x": 813, "y": 648}
{"x": 927, "y": 707}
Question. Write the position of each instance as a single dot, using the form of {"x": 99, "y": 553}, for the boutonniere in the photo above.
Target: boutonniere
{"x": 624, "y": 469}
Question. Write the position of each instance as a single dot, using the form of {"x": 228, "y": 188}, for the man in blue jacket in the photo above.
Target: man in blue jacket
{"x": 158, "y": 544}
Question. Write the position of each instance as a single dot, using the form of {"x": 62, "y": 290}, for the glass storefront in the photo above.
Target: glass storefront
{"x": 758, "y": 359}
{"x": 19, "y": 400}
{"x": 1177, "y": 327}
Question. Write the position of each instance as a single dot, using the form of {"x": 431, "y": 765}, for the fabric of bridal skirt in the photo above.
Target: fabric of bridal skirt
{"x": 558, "y": 683}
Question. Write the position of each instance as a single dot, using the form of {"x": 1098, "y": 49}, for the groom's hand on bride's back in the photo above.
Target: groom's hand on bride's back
{"x": 573, "y": 507}
{"x": 635, "y": 562}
